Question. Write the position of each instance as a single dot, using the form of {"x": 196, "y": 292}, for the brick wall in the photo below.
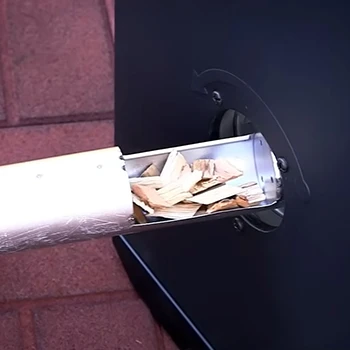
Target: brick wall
{"x": 56, "y": 97}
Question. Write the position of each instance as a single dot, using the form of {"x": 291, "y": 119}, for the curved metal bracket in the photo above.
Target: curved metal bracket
{"x": 199, "y": 84}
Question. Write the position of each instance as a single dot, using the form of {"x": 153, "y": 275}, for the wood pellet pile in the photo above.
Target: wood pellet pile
{"x": 181, "y": 190}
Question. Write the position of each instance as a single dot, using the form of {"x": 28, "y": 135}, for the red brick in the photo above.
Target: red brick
{"x": 68, "y": 269}
{"x": 125, "y": 325}
{"x": 27, "y": 329}
{"x": 9, "y": 332}
{"x": 110, "y": 4}
{"x": 168, "y": 342}
{"x": 62, "y": 57}
{"x": 34, "y": 142}
{"x": 2, "y": 102}
{"x": 77, "y": 268}
{"x": 2, "y": 113}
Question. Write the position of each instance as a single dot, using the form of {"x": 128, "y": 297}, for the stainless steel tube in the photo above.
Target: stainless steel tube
{"x": 88, "y": 195}
{"x": 64, "y": 199}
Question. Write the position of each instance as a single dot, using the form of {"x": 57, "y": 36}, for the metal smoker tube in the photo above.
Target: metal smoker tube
{"x": 87, "y": 195}
{"x": 64, "y": 199}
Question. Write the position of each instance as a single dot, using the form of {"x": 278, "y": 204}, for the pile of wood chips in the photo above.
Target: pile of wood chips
{"x": 181, "y": 190}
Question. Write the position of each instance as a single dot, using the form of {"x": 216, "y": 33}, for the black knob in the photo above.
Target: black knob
{"x": 282, "y": 164}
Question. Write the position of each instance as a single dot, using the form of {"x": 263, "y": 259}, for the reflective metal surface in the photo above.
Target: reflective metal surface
{"x": 250, "y": 153}
{"x": 63, "y": 199}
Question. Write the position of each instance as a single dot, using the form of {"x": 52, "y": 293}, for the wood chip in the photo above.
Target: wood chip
{"x": 178, "y": 211}
{"x": 221, "y": 175}
{"x": 225, "y": 204}
{"x": 152, "y": 170}
{"x": 179, "y": 190}
{"x": 216, "y": 194}
{"x": 205, "y": 185}
{"x": 149, "y": 196}
{"x": 241, "y": 202}
{"x": 206, "y": 166}
{"x": 139, "y": 215}
{"x": 252, "y": 194}
{"x": 202, "y": 210}
{"x": 180, "y": 198}
{"x": 173, "y": 167}
{"x": 141, "y": 204}
{"x": 186, "y": 169}
{"x": 226, "y": 170}
{"x": 150, "y": 181}
{"x": 189, "y": 180}
{"x": 184, "y": 183}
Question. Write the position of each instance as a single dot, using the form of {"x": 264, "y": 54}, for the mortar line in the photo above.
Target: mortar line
{"x": 27, "y": 328}
{"x": 96, "y": 297}
{"x": 7, "y": 71}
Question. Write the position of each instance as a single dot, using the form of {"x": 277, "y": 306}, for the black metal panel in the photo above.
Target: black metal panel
{"x": 285, "y": 290}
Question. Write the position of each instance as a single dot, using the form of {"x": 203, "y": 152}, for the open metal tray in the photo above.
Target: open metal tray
{"x": 250, "y": 153}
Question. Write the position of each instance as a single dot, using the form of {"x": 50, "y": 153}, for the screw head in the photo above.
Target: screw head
{"x": 238, "y": 224}
{"x": 282, "y": 164}
{"x": 216, "y": 96}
